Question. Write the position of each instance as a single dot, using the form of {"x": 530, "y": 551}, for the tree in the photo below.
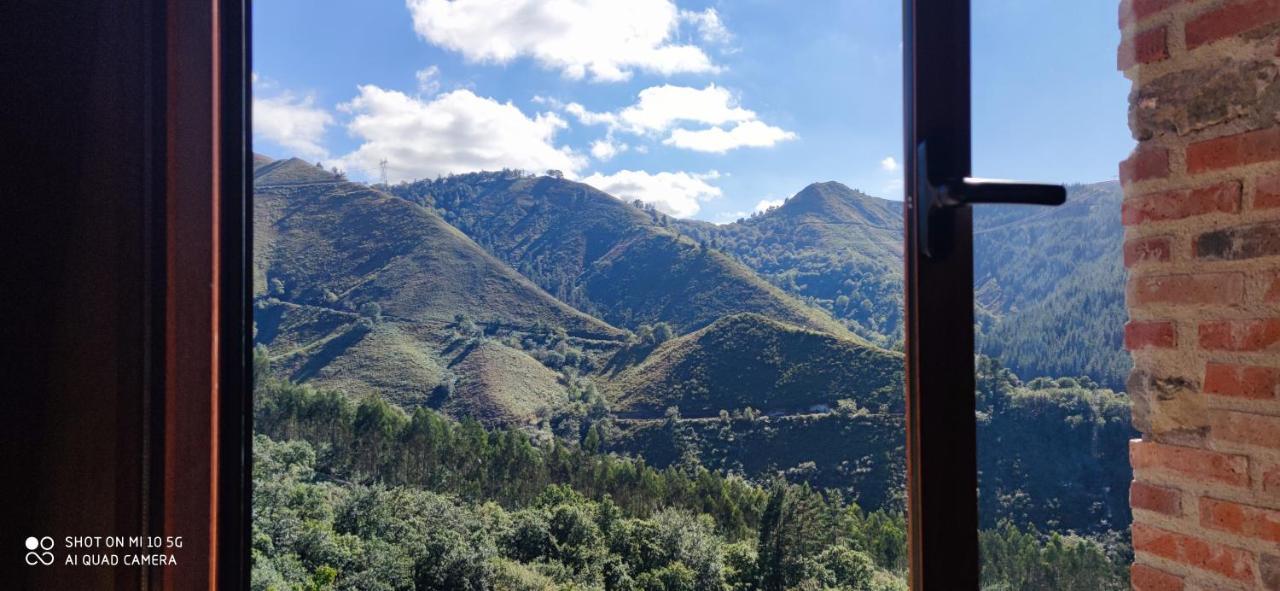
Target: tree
{"x": 372, "y": 311}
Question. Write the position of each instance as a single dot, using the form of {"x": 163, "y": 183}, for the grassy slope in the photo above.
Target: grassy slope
{"x": 748, "y": 360}
{"x": 605, "y": 256}
{"x": 337, "y": 246}
{"x": 357, "y": 244}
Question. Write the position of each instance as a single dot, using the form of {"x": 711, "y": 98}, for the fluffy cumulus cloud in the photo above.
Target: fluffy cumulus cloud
{"x": 720, "y": 123}
{"x": 749, "y": 134}
{"x": 607, "y": 148}
{"x": 579, "y": 38}
{"x": 889, "y": 164}
{"x": 679, "y": 194}
{"x": 658, "y": 108}
{"x": 454, "y": 132}
{"x": 295, "y": 123}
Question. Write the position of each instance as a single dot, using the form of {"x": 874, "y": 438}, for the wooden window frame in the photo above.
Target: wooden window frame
{"x": 203, "y": 450}
{"x": 942, "y": 467}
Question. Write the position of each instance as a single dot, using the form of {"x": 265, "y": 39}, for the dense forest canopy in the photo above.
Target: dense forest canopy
{"x": 364, "y": 496}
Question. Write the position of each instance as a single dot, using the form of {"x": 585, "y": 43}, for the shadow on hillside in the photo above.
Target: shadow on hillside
{"x": 330, "y": 351}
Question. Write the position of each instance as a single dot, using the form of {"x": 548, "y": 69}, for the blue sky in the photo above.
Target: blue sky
{"x": 706, "y": 109}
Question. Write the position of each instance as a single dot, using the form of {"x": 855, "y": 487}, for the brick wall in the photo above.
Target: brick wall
{"x": 1202, "y": 227}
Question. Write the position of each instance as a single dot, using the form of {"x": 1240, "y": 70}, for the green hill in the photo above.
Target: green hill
{"x": 344, "y": 245}
{"x": 1054, "y": 281}
{"x": 748, "y": 360}
{"x": 361, "y": 291}
{"x": 621, "y": 263}
{"x": 1049, "y": 281}
{"x": 836, "y": 248}
{"x": 293, "y": 171}
{"x": 501, "y": 385}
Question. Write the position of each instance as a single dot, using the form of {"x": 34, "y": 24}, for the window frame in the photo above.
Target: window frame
{"x": 942, "y": 469}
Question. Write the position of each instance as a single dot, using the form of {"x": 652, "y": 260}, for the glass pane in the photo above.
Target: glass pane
{"x": 1049, "y": 106}
{"x": 578, "y": 295}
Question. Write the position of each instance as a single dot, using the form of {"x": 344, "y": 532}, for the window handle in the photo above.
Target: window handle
{"x": 935, "y": 201}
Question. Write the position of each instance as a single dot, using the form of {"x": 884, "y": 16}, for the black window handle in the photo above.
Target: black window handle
{"x": 935, "y": 199}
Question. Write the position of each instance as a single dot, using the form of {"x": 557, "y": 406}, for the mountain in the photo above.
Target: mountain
{"x": 747, "y": 360}
{"x": 1049, "y": 282}
{"x": 341, "y": 245}
{"x": 544, "y": 305}
{"x": 1053, "y": 281}
{"x": 609, "y": 258}
{"x": 367, "y": 292}
{"x": 838, "y": 249}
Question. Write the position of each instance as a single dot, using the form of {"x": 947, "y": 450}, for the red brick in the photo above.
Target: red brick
{"x": 1234, "y": 150}
{"x": 1145, "y": 163}
{"x": 1242, "y": 520}
{"x": 1143, "y": 335}
{"x": 1246, "y": 428}
{"x": 1233, "y": 563}
{"x": 1271, "y": 481}
{"x": 1240, "y": 335}
{"x": 1269, "y": 571}
{"x": 1200, "y": 464}
{"x": 1145, "y": 578}
{"x": 1239, "y": 242}
{"x": 1241, "y": 381}
{"x": 1266, "y": 193}
{"x": 1203, "y": 288}
{"x": 1136, "y": 11}
{"x": 1155, "y": 498}
{"x": 1146, "y": 250}
{"x": 1231, "y": 19}
{"x": 1143, "y": 48}
{"x": 1176, "y": 205}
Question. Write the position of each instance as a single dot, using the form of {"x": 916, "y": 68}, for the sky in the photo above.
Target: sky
{"x": 707, "y": 109}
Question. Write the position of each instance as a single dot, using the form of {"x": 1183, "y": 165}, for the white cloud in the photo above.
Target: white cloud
{"x": 606, "y": 149}
{"x": 293, "y": 122}
{"x": 749, "y": 134}
{"x": 658, "y": 108}
{"x": 454, "y": 132}
{"x": 889, "y": 164}
{"x": 675, "y": 193}
{"x": 767, "y": 204}
{"x": 428, "y": 80}
{"x": 710, "y": 28}
{"x": 600, "y": 38}
{"x": 664, "y": 109}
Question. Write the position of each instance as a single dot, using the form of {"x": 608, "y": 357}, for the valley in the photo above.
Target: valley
{"x": 764, "y": 352}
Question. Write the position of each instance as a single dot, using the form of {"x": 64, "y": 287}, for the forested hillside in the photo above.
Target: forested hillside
{"x": 362, "y": 495}
{"x": 1049, "y": 281}
{"x": 621, "y": 263}
{"x": 1053, "y": 280}
{"x": 838, "y": 249}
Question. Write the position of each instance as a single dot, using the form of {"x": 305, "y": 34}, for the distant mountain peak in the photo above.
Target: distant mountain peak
{"x": 292, "y": 171}
{"x": 819, "y": 197}
{"x": 832, "y": 201}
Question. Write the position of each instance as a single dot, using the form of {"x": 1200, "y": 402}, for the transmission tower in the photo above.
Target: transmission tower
{"x": 383, "y": 165}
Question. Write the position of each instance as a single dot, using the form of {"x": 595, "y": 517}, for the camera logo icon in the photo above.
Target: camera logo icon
{"x": 39, "y": 554}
